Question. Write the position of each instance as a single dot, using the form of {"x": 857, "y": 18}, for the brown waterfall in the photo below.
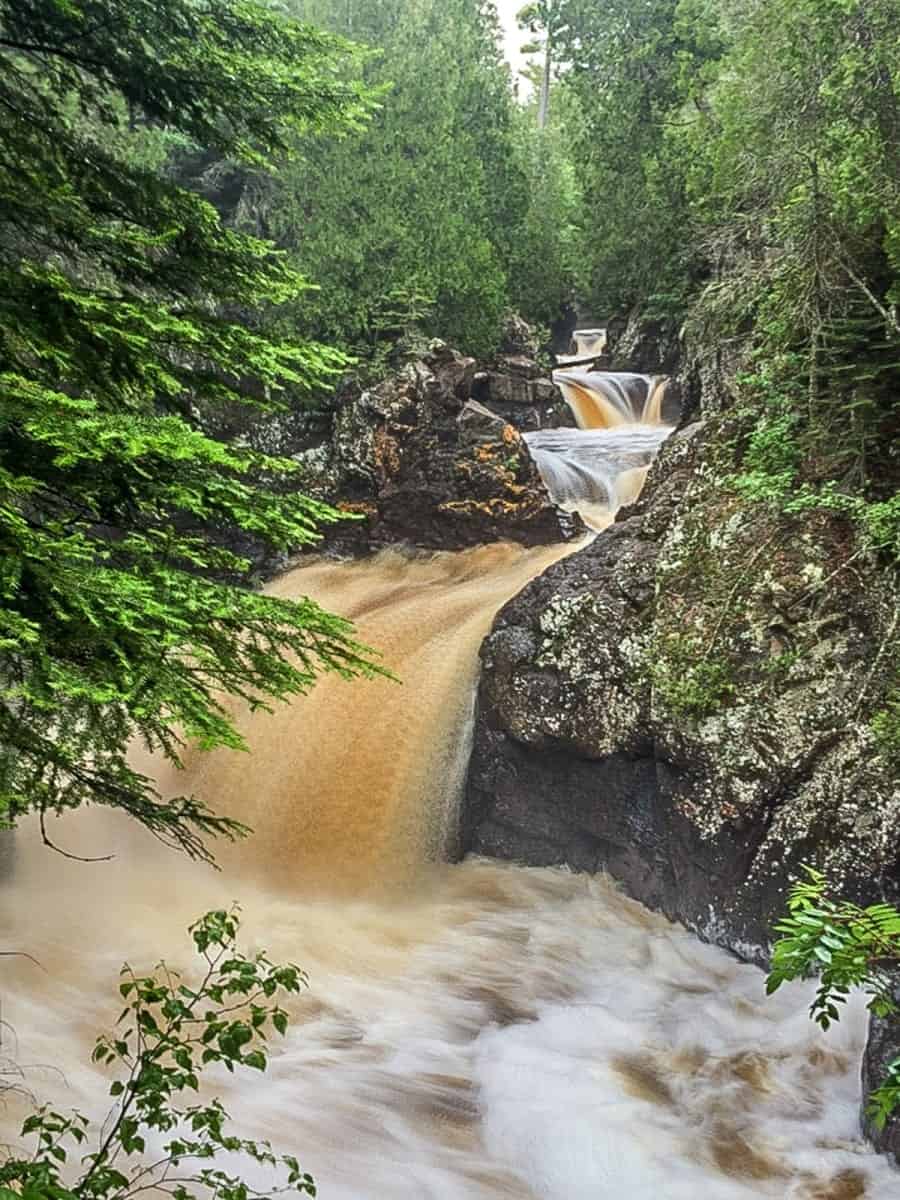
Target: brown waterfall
{"x": 656, "y": 394}
{"x": 361, "y": 780}
{"x": 602, "y": 465}
{"x": 471, "y": 1032}
{"x": 592, "y": 410}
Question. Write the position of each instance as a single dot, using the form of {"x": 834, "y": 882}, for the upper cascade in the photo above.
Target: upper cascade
{"x": 601, "y": 399}
{"x": 595, "y": 469}
{"x": 588, "y": 343}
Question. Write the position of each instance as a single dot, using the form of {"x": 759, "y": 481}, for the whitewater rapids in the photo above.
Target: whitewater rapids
{"x": 470, "y": 1032}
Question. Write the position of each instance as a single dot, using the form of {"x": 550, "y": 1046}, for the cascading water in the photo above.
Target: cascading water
{"x": 595, "y": 471}
{"x": 471, "y": 1032}
{"x": 601, "y": 465}
{"x": 589, "y": 343}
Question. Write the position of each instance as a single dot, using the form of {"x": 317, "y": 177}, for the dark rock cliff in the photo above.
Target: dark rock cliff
{"x": 882, "y": 1051}
{"x": 432, "y": 456}
{"x": 686, "y": 704}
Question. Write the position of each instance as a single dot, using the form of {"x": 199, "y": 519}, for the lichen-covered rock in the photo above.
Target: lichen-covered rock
{"x": 686, "y": 703}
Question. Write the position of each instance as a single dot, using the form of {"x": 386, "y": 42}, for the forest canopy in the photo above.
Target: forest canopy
{"x": 740, "y": 169}
{"x": 208, "y": 208}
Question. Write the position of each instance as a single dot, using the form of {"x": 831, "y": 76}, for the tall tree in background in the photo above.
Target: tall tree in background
{"x": 426, "y": 218}
{"x": 420, "y": 207}
{"x": 545, "y": 260}
{"x": 545, "y": 19}
{"x": 115, "y": 334}
{"x": 626, "y": 67}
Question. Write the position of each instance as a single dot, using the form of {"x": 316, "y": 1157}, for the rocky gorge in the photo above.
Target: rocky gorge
{"x": 450, "y": 522}
{"x": 686, "y": 702}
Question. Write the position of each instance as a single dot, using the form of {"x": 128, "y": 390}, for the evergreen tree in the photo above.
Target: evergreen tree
{"x": 424, "y": 201}
{"x": 739, "y": 165}
{"x": 545, "y": 260}
{"x": 543, "y": 19}
{"x": 119, "y": 299}
{"x": 626, "y": 65}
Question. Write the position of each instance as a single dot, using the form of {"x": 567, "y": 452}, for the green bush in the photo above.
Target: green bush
{"x": 848, "y": 947}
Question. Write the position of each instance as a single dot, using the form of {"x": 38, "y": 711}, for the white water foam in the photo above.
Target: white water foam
{"x": 470, "y": 1033}
{"x": 497, "y": 1032}
{"x": 595, "y": 471}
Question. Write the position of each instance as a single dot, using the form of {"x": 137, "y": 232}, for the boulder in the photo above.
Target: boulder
{"x": 526, "y": 401}
{"x": 478, "y": 423}
{"x": 419, "y": 460}
{"x": 518, "y": 337}
{"x": 509, "y": 388}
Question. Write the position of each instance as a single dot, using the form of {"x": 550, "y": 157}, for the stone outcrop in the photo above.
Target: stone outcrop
{"x": 518, "y": 387}
{"x": 687, "y": 704}
{"x": 639, "y": 344}
{"x": 433, "y": 456}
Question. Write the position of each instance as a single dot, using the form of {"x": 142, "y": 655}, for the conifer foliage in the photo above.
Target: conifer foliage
{"x": 127, "y": 311}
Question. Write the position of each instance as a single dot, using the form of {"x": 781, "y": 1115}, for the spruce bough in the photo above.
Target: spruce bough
{"x": 127, "y": 313}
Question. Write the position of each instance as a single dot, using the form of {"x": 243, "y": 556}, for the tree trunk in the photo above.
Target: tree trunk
{"x": 544, "y": 101}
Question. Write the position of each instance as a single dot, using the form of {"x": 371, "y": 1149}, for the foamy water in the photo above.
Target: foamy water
{"x": 602, "y": 465}
{"x": 498, "y": 1032}
{"x": 470, "y": 1032}
{"x": 595, "y": 471}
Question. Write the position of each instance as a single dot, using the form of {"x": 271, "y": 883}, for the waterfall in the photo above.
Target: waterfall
{"x": 589, "y": 343}
{"x": 361, "y": 781}
{"x": 600, "y": 466}
{"x": 471, "y": 1032}
{"x": 594, "y": 471}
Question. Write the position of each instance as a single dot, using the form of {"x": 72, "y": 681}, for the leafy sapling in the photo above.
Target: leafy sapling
{"x": 166, "y": 1034}
{"x": 848, "y": 947}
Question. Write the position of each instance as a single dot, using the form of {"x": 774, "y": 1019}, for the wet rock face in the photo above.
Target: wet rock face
{"x": 431, "y": 456}
{"x": 638, "y": 344}
{"x": 420, "y": 458}
{"x": 518, "y": 388}
{"x": 686, "y": 702}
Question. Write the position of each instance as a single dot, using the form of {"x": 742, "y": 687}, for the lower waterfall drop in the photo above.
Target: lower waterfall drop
{"x": 471, "y": 1032}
